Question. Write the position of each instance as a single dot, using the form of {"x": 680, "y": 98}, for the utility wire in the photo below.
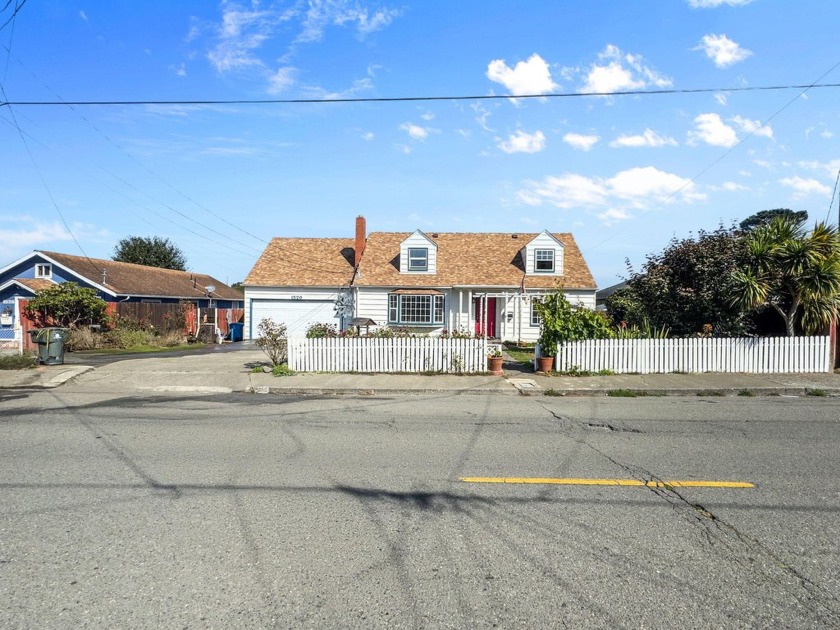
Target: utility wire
{"x": 409, "y": 99}
{"x": 721, "y": 157}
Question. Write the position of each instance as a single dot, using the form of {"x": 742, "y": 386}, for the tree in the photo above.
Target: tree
{"x": 685, "y": 288}
{"x": 792, "y": 271}
{"x": 67, "y": 305}
{"x": 766, "y": 216}
{"x": 154, "y": 252}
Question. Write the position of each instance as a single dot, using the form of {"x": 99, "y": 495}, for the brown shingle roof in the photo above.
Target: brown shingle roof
{"x": 470, "y": 259}
{"x": 313, "y": 262}
{"x": 35, "y": 284}
{"x": 130, "y": 279}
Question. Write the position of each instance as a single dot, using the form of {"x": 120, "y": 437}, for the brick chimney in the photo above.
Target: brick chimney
{"x": 361, "y": 237}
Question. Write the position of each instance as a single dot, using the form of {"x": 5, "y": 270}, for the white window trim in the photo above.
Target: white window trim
{"x": 425, "y": 259}
{"x": 537, "y": 260}
{"x": 437, "y": 305}
{"x": 536, "y": 320}
{"x": 47, "y": 270}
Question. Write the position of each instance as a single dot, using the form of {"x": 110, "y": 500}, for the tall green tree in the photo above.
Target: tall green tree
{"x": 792, "y": 271}
{"x": 152, "y": 251}
{"x": 686, "y": 287}
{"x": 766, "y": 216}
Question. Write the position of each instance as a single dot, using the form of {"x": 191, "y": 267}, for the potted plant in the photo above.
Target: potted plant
{"x": 548, "y": 350}
{"x": 494, "y": 362}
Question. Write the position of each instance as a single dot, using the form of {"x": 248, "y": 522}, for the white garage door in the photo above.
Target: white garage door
{"x": 296, "y": 314}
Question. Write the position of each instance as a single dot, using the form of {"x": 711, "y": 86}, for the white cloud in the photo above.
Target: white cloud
{"x": 614, "y": 215}
{"x": 711, "y": 4}
{"x": 359, "y": 85}
{"x": 640, "y": 188}
{"x": 83, "y": 15}
{"x": 368, "y": 136}
{"x": 826, "y": 134}
{"x": 526, "y": 77}
{"x": 324, "y": 13}
{"x": 481, "y": 116}
{"x": 180, "y": 70}
{"x": 803, "y": 187}
{"x": 280, "y": 80}
{"x": 427, "y": 116}
{"x": 522, "y": 142}
{"x": 240, "y": 34}
{"x": 733, "y": 187}
{"x": 415, "y": 131}
{"x": 711, "y": 129}
{"x": 579, "y": 141}
{"x": 37, "y": 234}
{"x": 721, "y": 98}
{"x": 619, "y": 72}
{"x": 648, "y": 139}
{"x": 722, "y": 50}
{"x": 753, "y": 127}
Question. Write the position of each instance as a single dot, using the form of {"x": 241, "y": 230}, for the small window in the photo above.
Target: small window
{"x": 536, "y": 320}
{"x": 43, "y": 270}
{"x": 418, "y": 259}
{"x": 544, "y": 260}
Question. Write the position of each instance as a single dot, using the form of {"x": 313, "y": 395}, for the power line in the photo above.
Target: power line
{"x": 409, "y": 99}
{"x": 731, "y": 149}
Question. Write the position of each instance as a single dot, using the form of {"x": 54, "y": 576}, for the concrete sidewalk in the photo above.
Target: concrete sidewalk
{"x": 231, "y": 371}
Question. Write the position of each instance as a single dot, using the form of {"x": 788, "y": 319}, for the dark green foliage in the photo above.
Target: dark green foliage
{"x": 321, "y": 331}
{"x": 154, "y": 252}
{"x": 766, "y": 216}
{"x": 67, "y": 305}
{"x": 686, "y": 287}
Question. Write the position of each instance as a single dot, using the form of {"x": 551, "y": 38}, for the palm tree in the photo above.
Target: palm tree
{"x": 795, "y": 272}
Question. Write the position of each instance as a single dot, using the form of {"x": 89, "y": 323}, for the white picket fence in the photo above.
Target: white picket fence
{"x": 364, "y": 354}
{"x": 761, "y": 355}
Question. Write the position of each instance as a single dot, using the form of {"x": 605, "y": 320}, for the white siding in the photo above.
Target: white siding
{"x": 373, "y": 303}
{"x": 418, "y": 239}
{"x": 295, "y": 295}
{"x": 544, "y": 241}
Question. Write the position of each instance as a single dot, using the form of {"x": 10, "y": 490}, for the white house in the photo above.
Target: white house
{"x": 483, "y": 283}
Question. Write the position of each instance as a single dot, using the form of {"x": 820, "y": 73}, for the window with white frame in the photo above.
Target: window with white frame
{"x": 409, "y": 309}
{"x": 536, "y": 320}
{"x": 418, "y": 258}
{"x": 43, "y": 270}
{"x": 544, "y": 260}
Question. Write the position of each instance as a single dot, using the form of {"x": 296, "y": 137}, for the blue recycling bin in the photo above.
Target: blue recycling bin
{"x": 235, "y": 329}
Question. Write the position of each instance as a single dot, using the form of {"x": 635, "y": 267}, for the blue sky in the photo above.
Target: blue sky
{"x": 623, "y": 173}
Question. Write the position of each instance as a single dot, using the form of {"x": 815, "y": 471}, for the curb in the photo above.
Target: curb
{"x": 65, "y": 376}
{"x": 637, "y": 392}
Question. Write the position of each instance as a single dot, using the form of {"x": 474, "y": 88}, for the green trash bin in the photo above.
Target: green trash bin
{"x": 50, "y": 344}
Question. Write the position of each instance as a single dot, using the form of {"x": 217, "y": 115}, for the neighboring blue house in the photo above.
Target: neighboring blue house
{"x": 113, "y": 282}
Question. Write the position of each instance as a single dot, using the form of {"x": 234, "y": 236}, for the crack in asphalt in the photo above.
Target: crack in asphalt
{"x": 740, "y": 547}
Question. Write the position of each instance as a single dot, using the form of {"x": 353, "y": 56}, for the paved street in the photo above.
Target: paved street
{"x": 242, "y": 510}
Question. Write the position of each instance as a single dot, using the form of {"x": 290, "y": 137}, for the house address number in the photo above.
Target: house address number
{"x": 297, "y": 297}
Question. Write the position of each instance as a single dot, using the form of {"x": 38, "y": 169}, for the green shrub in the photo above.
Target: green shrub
{"x": 321, "y": 331}
{"x": 272, "y": 340}
{"x": 282, "y": 370}
{"x": 17, "y": 361}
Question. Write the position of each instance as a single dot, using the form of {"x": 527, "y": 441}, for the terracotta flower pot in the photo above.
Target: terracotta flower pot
{"x": 494, "y": 364}
{"x": 545, "y": 364}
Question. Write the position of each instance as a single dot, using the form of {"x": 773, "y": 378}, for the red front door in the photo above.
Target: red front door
{"x": 479, "y": 317}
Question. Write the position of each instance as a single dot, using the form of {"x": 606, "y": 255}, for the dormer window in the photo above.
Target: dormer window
{"x": 43, "y": 270}
{"x": 544, "y": 260}
{"x": 418, "y": 259}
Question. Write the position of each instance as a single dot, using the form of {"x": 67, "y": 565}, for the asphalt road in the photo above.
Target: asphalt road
{"x": 262, "y": 511}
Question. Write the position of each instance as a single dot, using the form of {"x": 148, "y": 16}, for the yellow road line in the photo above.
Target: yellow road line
{"x": 610, "y": 482}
